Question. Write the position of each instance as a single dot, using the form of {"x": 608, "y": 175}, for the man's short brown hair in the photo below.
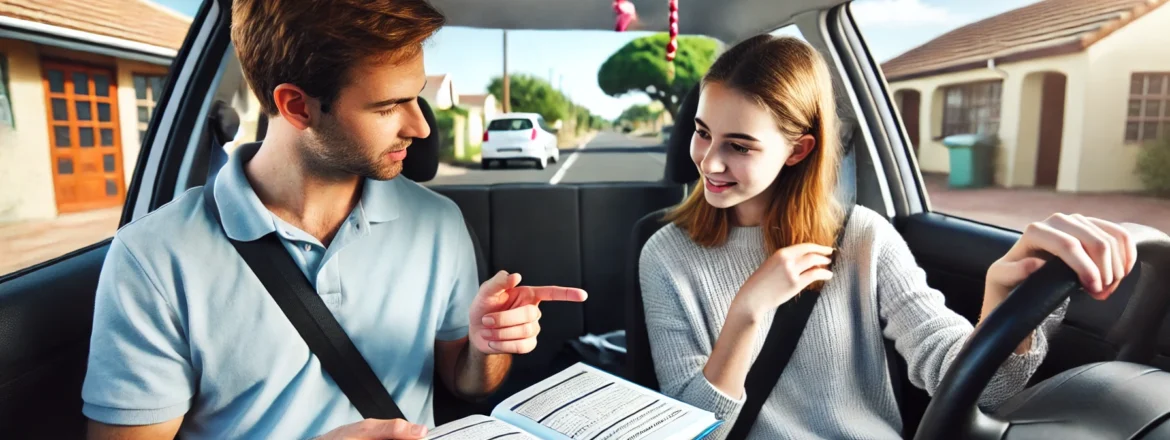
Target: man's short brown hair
{"x": 313, "y": 43}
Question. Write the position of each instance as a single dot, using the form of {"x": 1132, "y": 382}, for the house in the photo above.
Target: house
{"x": 1070, "y": 87}
{"x": 80, "y": 80}
{"x": 439, "y": 92}
{"x": 480, "y": 109}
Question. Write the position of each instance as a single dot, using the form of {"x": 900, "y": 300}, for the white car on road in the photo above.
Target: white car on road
{"x": 519, "y": 136}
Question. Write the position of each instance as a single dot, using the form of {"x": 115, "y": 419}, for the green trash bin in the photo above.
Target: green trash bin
{"x": 971, "y": 160}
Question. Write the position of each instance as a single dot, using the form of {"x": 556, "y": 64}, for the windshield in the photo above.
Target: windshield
{"x": 510, "y": 125}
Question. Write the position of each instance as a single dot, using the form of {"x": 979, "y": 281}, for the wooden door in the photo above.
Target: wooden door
{"x": 911, "y": 103}
{"x": 1051, "y": 130}
{"x": 85, "y": 142}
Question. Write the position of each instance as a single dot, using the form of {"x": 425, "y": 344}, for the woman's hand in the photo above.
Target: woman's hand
{"x": 783, "y": 275}
{"x": 1102, "y": 254}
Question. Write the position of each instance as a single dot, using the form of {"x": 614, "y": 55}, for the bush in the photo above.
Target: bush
{"x": 1153, "y": 166}
{"x": 445, "y": 120}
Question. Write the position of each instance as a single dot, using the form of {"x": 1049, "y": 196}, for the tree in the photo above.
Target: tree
{"x": 532, "y": 94}
{"x": 638, "y": 113}
{"x": 641, "y": 66}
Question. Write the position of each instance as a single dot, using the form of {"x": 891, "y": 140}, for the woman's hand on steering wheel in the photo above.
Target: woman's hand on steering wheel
{"x": 1102, "y": 253}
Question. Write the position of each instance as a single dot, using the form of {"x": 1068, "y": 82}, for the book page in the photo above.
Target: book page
{"x": 478, "y": 427}
{"x": 583, "y": 403}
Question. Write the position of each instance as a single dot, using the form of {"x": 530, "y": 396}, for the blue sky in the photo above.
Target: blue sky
{"x": 474, "y": 56}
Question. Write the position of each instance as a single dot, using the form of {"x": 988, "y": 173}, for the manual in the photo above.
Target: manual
{"x": 584, "y": 403}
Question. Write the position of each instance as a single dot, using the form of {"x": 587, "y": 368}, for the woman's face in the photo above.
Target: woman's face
{"x": 740, "y": 150}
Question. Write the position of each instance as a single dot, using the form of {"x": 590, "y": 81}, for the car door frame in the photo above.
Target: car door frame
{"x": 48, "y": 307}
{"x": 905, "y": 189}
{"x": 177, "y": 119}
{"x": 889, "y": 181}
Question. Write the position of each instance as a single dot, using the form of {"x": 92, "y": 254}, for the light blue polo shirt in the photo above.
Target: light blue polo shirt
{"x": 182, "y": 327}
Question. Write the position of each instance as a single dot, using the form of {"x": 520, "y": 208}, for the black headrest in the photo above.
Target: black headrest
{"x": 422, "y": 158}
{"x": 679, "y": 166}
{"x": 225, "y": 121}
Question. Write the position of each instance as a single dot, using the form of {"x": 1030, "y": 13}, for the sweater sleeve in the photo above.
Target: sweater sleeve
{"x": 929, "y": 335}
{"x": 678, "y": 342}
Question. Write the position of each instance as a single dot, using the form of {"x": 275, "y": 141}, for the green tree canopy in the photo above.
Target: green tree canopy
{"x": 641, "y": 66}
{"x": 529, "y": 93}
{"x": 638, "y": 113}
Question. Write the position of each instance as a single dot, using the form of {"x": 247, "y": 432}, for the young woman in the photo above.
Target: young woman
{"x": 759, "y": 231}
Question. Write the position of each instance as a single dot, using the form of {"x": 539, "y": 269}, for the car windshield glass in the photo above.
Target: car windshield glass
{"x": 510, "y": 124}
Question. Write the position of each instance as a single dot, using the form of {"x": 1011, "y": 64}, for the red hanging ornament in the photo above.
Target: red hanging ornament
{"x": 625, "y": 14}
{"x": 672, "y": 47}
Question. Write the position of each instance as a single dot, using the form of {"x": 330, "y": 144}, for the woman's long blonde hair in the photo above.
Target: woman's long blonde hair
{"x": 791, "y": 80}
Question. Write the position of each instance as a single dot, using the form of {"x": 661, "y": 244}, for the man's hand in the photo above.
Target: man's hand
{"x": 505, "y": 315}
{"x": 374, "y": 429}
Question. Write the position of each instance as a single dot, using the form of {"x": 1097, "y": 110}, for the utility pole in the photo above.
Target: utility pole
{"x": 507, "y": 81}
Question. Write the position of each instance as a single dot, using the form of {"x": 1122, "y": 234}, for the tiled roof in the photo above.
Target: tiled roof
{"x": 1045, "y": 28}
{"x": 135, "y": 20}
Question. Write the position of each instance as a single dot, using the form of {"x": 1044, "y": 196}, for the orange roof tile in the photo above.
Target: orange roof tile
{"x": 1046, "y": 28}
{"x": 135, "y": 20}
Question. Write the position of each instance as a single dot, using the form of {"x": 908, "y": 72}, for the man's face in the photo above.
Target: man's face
{"x": 368, "y": 128}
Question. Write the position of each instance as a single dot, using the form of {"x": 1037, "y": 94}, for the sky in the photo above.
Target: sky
{"x": 571, "y": 58}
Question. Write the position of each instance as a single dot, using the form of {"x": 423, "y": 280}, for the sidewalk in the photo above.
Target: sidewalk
{"x": 26, "y": 243}
{"x": 1015, "y": 208}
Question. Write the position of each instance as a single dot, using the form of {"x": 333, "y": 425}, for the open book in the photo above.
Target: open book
{"x": 584, "y": 403}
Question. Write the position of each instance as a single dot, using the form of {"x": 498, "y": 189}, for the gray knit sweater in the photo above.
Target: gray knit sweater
{"x": 837, "y": 383}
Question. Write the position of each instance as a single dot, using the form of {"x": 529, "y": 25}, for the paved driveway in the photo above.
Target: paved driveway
{"x": 1015, "y": 208}
{"x": 23, "y": 244}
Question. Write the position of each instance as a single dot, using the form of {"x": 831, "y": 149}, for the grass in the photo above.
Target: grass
{"x": 470, "y": 152}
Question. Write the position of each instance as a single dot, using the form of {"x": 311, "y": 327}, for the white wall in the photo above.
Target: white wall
{"x": 1094, "y": 154}
{"x": 26, "y": 175}
{"x": 1019, "y": 116}
{"x": 1141, "y": 46}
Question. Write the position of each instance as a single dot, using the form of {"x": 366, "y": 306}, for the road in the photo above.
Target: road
{"x": 609, "y": 157}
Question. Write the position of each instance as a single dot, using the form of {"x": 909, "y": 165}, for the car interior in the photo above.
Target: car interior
{"x": 589, "y": 235}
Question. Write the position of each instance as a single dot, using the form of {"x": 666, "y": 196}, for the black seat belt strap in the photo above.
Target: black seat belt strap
{"x": 783, "y": 336}
{"x": 341, "y": 360}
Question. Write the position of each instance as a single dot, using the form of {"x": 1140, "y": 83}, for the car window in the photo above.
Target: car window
{"x": 1006, "y": 135}
{"x": 72, "y": 117}
{"x": 605, "y": 124}
{"x": 509, "y": 125}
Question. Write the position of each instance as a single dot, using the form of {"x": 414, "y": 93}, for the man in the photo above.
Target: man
{"x": 186, "y": 340}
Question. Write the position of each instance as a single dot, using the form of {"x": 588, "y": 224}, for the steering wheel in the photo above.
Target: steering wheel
{"x": 1114, "y": 399}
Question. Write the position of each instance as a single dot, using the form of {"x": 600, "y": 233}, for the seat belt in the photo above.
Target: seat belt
{"x": 280, "y": 275}
{"x": 784, "y": 334}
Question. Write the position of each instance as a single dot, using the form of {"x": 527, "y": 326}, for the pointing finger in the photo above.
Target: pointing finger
{"x": 557, "y": 293}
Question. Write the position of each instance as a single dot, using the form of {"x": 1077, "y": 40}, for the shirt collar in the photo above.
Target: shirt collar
{"x": 245, "y": 218}
{"x": 380, "y": 199}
